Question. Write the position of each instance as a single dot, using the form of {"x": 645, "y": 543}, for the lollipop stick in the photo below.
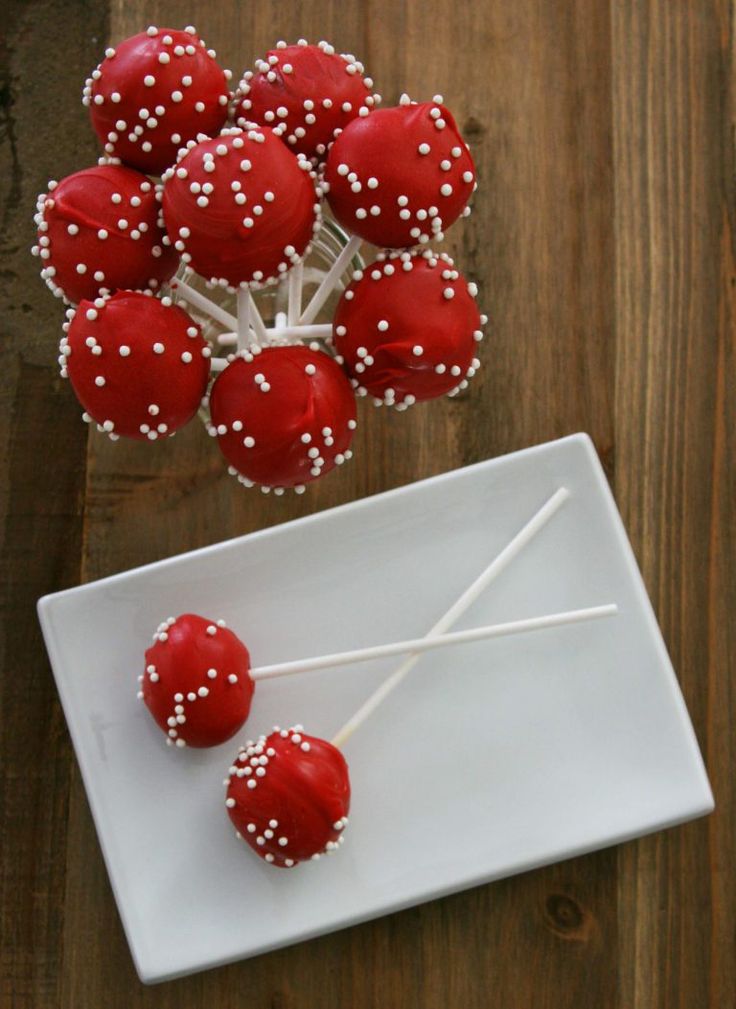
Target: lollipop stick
{"x": 243, "y": 328}
{"x": 321, "y": 331}
{"x": 329, "y": 281}
{"x": 497, "y": 565}
{"x": 296, "y": 279}
{"x": 426, "y": 644}
{"x": 256, "y": 321}
{"x": 204, "y": 304}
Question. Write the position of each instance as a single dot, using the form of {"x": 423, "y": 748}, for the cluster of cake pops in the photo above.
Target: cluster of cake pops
{"x": 288, "y": 793}
{"x": 229, "y": 187}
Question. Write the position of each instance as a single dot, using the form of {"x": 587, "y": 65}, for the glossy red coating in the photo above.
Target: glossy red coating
{"x": 154, "y": 94}
{"x": 408, "y": 328}
{"x": 283, "y": 416}
{"x": 101, "y": 228}
{"x": 186, "y": 701}
{"x": 240, "y": 206}
{"x": 307, "y": 94}
{"x": 138, "y": 367}
{"x": 384, "y": 189}
{"x": 288, "y": 796}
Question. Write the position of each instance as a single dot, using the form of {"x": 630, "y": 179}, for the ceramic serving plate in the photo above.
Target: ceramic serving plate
{"x": 490, "y": 758}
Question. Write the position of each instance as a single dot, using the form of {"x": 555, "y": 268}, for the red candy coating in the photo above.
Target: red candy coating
{"x": 241, "y": 208}
{"x": 407, "y": 330}
{"x": 139, "y": 367}
{"x": 153, "y": 93}
{"x": 197, "y": 682}
{"x": 288, "y": 795}
{"x": 283, "y": 416}
{"x": 100, "y": 228}
{"x": 400, "y": 176}
{"x": 306, "y": 93}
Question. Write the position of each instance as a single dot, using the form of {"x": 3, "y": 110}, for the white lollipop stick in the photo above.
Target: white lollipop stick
{"x": 198, "y": 300}
{"x": 322, "y": 331}
{"x": 497, "y": 565}
{"x": 426, "y": 644}
{"x": 256, "y": 321}
{"x": 227, "y": 339}
{"x": 243, "y": 327}
{"x": 330, "y": 280}
{"x": 296, "y": 279}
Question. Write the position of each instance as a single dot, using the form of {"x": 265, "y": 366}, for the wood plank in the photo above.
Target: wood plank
{"x": 43, "y": 461}
{"x": 673, "y": 121}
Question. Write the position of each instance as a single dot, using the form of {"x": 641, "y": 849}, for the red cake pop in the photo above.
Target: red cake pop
{"x": 306, "y": 93}
{"x": 101, "y": 229}
{"x": 283, "y": 416}
{"x": 406, "y": 328}
{"x": 241, "y": 208}
{"x": 138, "y": 365}
{"x": 400, "y": 176}
{"x": 197, "y": 682}
{"x": 153, "y": 93}
{"x": 288, "y": 795}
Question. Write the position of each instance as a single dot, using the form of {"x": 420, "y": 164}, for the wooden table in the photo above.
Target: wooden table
{"x": 603, "y": 243}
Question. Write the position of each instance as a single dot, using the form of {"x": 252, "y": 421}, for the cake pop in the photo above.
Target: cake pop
{"x": 282, "y": 416}
{"x": 288, "y": 795}
{"x": 306, "y": 93}
{"x": 400, "y": 176}
{"x": 153, "y": 93}
{"x": 138, "y": 365}
{"x": 406, "y": 328}
{"x": 197, "y": 684}
{"x": 101, "y": 229}
{"x": 241, "y": 208}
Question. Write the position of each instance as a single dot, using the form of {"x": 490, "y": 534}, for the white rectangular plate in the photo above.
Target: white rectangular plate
{"x": 491, "y": 758}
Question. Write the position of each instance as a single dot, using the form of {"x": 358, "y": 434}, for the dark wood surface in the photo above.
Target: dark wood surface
{"x": 603, "y": 243}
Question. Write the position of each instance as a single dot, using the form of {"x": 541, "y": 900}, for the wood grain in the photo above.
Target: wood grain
{"x": 675, "y": 384}
{"x": 41, "y": 494}
{"x": 602, "y": 241}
